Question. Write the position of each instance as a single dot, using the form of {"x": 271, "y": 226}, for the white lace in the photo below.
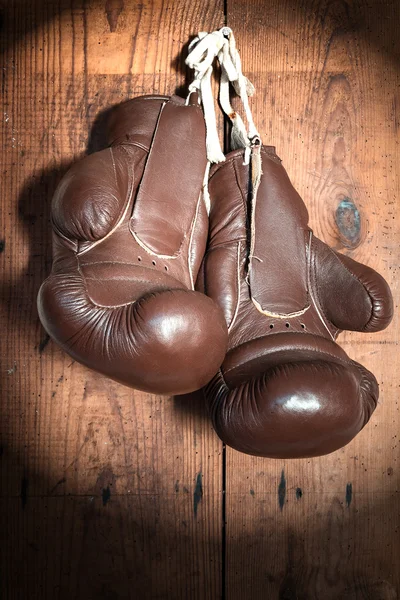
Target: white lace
{"x": 202, "y": 52}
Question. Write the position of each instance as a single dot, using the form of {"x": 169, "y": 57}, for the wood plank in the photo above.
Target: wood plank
{"x": 107, "y": 492}
{"x": 76, "y": 546}
{"x": 327, "y": 83}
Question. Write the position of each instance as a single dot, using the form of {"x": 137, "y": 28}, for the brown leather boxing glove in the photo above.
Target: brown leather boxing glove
{"x": 285, "y": 388}
{"x": 130, "y": 230}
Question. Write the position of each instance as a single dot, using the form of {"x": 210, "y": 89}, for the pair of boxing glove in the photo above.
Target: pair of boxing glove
{"x": 154, "y": 292}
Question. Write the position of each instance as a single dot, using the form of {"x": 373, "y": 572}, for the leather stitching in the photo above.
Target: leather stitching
{"x": 237, "y": 289}
{"x": 244, "y": 200}
{"x": 315, "y": 293}
{"x": 90, "y": 299}
{"x": 228, "y": 389}
{"x": 111, "y": 262}
{"x": 191, "y": 238}
{"x": 61, "y": 235}
{"x": 114, "y": 168}
{"x": 151, "y": 252}
{"x": 137, "y": 144}
{"x": 226, "y": 244}
{"x": 142, "y": 244}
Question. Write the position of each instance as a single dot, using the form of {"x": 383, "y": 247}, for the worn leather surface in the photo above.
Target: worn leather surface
{"x": 285, "y": 388}
{"x": 130, "y": 231}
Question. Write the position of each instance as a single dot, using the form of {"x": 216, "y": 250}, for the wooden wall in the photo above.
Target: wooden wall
{"x": 111, "y": 493}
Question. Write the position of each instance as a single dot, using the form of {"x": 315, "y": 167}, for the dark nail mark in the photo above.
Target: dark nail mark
{"x": 177, "y": 486}
{"x": 348, "y": 221}
{"x": 198, "y": 493}
{"x": 106, "y": 495}
{"x": 349, "y": 493}
{"x": 390, "y": 471}
{"x": 299, "y": 493}
{"x": 24, "y": 491}
{"x": 252, "y": 493}
{"x": 282, "y": 490}
{"x": 2, "y": 245}
{"x": 44, "y": 343}
{"x": 60, "y": 482}
{"x": 113, "y": 10}
{"x": 106, "y": 478}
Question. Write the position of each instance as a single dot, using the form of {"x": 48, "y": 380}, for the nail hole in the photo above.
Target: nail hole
{"x": 302, "y": 325}
{"x": 139, "y": 258}
{"x": 271, "y": 326}
{"x": 154, "y": 262}
{"x": 166, "y": 268}
{"x": 287, "y": 324}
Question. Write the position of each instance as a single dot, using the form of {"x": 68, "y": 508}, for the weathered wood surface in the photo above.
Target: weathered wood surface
{"x": 328, "y": 76}
{"x": 111, "y": 493}
{"x": 106, "y": 492}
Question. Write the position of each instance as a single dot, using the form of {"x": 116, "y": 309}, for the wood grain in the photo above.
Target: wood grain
{"x": 110, "y": 493}
{"x": 327, "y": 80}
{"x": 106, "y": 492}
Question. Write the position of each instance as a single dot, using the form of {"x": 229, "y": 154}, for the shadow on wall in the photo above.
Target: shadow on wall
{"x": 107, "y": 546}
{"x": 98, "y": 544}
{"x": 343, "y": 17}
{"x": 34, "y": 205}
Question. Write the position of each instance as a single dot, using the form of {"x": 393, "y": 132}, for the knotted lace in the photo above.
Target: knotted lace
{"x": 202, "y": 52}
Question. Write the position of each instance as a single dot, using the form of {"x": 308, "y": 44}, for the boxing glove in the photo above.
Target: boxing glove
{"x": 129, "y": 233}
{"x": 285, "y": 389}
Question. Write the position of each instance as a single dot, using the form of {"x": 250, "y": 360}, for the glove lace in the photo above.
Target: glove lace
{"x": 203, "y": 50}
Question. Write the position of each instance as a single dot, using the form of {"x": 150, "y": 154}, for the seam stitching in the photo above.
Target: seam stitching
{"x": 237, "y": 289}
{"x": 191, "y": 239}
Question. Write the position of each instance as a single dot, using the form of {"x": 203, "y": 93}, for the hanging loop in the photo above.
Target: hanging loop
{"x": 203, "y": 50}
